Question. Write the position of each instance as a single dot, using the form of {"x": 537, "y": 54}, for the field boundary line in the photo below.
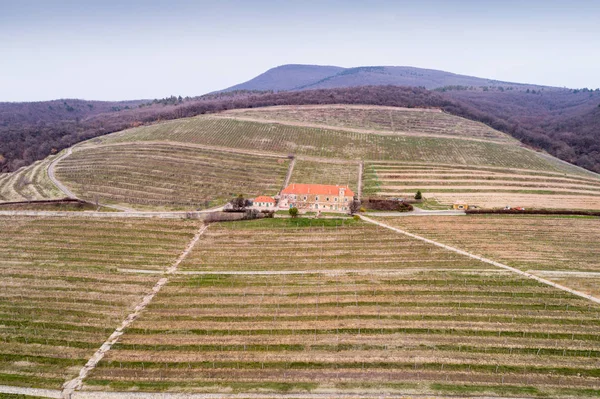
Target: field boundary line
{"x": 89, "y": 145}
{"x": 75, "y": 384}
{"x": 300, "y": 395}
{"x": 331, "y": 272}
{"x": 46, "y": 393}
{"x": 485, "y": 260}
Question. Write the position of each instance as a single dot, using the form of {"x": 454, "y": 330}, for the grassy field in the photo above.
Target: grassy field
{"x": 61, "y": 294}
{"x": 326, "y": 173}
{"x": 434, "y": 325}
{"x": 168, "y": 176}
{"x": 377, "y": 119}
{"x": 29, "y": 183}
{"x": 327, "y": 143}
{"x": 486, "y": 187}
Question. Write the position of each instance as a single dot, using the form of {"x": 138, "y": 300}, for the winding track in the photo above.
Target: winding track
{"x": 53, "y": 178}
{"x": 66, "y": 190}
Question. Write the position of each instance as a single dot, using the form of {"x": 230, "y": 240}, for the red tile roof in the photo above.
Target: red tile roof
{"x": 264, "y": 198}
{"x": 320, "y": 189}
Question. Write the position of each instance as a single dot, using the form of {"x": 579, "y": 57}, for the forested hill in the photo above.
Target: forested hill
{"x": 566, "y": 123}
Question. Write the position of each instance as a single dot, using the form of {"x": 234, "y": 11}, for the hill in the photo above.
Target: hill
{"x": 202, "y": 161}
{"x": 564, "y": 122}
{"x": 307, "y": 77}
{"x": 288, "y": 77}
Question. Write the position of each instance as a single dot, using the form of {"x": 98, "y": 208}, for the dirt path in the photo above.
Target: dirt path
{"x": 68, "y": 192}
{"x": 76, "y": 383}
{"x": 53, "y": 178}
{"x": 89, "y": 145}
{"x": 361, "y": 166}
{"x": 93, "y": 214}
{"x": 355, "y": 394}
{"x": 286, "y": 182}
{"x": 485, "y": 260}
{"x": 333, "y": 272}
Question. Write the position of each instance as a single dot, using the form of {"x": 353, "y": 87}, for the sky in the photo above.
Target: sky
{"x": 123, "y": 50}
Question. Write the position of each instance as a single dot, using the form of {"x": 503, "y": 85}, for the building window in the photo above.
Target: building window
{"x": 317, "y": 198}
{"x": 327, "y": 199}
{"x": 305, "y": 198}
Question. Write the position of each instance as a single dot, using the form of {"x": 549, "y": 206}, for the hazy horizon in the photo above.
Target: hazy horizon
{"x": 151, "y": 49}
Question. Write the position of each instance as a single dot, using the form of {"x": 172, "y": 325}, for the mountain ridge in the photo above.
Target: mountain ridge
{"x": 293, "y": 77}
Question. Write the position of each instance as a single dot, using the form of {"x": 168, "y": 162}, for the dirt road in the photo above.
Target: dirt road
{"x": 53, "y": 178}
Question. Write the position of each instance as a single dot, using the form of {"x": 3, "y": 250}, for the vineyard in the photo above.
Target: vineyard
{"x": 327, "y": 143}
{"x": 524, "y": 242}
{"x": 486, "y": 187}
{"x": 61, "y": 294}
{"x": 28, "y": 183}
{"x": 306, "y": 245}
{"x": 313, "y": 172}
{"x": 377, "y": 119}
{"x": 168, "y": 176}
{"x": 431, "y": 324}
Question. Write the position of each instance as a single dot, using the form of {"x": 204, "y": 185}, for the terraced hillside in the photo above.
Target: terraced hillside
{"x": 377, "y": 119}
{"x": 61, "y": 295}
{"x": 328, "y": 143}
{"x": 317, "y": 172}
{"x": 418, "y": 328}
{"x": 562, "y": 249}
{"x": 29, "y": 183}
{"x": 151, "y": 175}
{"x": 487, "y": 187}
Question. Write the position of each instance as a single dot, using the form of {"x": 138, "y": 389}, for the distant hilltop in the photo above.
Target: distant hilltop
{"x": 305, "y": 77}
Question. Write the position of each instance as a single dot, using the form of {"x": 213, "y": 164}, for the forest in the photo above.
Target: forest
{"x": 563, "y": 122}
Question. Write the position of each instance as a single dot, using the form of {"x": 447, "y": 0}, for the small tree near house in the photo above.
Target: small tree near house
{"x": 418, "y": 195}
{"x": 239, "y": 202}
{"x": 354, "y": 205}
{"x": 293, "y": 211}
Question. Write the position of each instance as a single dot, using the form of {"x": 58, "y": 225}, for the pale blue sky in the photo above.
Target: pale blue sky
{"x": 116, "y": 50}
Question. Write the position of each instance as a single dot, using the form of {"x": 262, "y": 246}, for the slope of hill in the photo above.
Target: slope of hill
{"x": 564, "y": 122}
{"x": 303, "y": 77}
{"x": 201, "y": 161}
{"x": 287, "y": 77}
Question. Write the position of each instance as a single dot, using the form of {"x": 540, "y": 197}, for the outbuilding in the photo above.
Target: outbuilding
{"x": 264, "y": 202}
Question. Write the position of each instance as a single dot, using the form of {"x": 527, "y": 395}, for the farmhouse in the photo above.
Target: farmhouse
{"x": 264, "y": 202}
{"x": 318, "y": 197}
